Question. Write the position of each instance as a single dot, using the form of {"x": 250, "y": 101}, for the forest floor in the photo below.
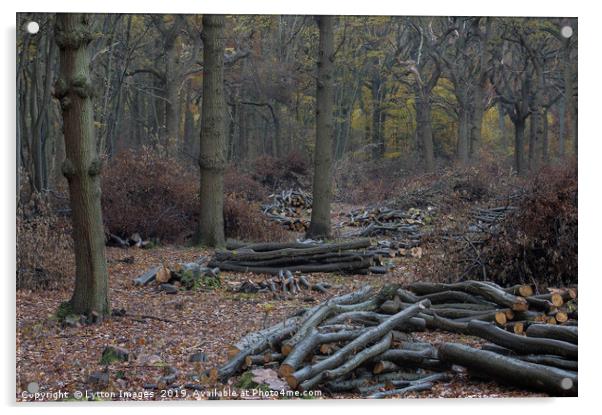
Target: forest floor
{"x": 61, "y": 358}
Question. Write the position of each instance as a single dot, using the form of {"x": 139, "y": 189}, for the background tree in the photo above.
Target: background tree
{"x": 82, "y": 166}
{"x": 322, "y": 182}
{"x": 212, "y": 158}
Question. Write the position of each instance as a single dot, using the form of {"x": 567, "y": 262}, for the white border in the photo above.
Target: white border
{"x": 590, "y": 152}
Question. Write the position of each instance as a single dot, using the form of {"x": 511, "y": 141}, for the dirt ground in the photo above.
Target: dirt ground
{"x": 60, "y": 359}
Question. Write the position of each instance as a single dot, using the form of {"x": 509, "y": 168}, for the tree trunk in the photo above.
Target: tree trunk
{"x": 424, "y": 128}
{"x": 82, "y": 166}
{"x": 378, "y": 144}
{"x": 463, "y": 132}
{"x": 519, "y": 147}
{"x": 502, "y": 126}
{"x": 189, "y": 128}
{"x": 172, "y": 123}
{"x": 557, "y": 382}
{"x": 545, "y": 138}
{"x": 322, "y": 182}
{"x": 561, "y": 127}
{"x": 212, "y": 158}
{"x": 569, "y": 94}
{"x": 476, "y": 122}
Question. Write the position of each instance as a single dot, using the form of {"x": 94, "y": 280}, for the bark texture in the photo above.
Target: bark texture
{"x": 322, "y": 186}
{"x": 82, "y": 166}
{"x": 212, "y": 158}
{"x": 555, "y": 381}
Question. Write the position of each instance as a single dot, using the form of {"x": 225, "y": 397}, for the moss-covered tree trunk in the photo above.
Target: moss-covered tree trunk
{"x": 82, "y": 166}
{"x": 322, "y": 185}
{"x": 212, "y": 158}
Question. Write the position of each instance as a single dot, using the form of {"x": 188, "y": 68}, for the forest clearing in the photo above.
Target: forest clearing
{"x": 296, "y": 207}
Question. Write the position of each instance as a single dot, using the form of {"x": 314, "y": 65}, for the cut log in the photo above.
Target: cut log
{"x": 445, "y": 297}
{"x": 235, "y": 364}
{"x": 434, "y": 322}
{"x": 560, "y": 316}
{"x": 163, "y": 275}
{"x": 385, "y": 366}
{"x": 267, "y": 246}
{"x": 291, "y": 252}
{"x": 359, "y": 358}
{"x": 533, "y": 376}
{"x": 147, "y": 277}
{"x": 516, "y": 327}
{"x": 114, "y": 240}
{"x": 363, "y": 263}
{"x": 498, "y": 317}
{"x": 360, "y": 342}
{"x": 323, "y": 311}
{"x": 522, "y": 344}
{"x": 418, "y": 387}
{"x": 255, "y": 337}
{"x": 562, "y": 333}
{"x": 464, "y": 306}
{"x": 487, "y": 291}
{"x": 520, "y": 289}
{"x": 306, "y": 347}
{"x": 551, "y": 360}
{"x": 412, "y": 358}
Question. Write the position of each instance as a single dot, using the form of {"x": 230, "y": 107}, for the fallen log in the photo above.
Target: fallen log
{"x": 148, "y": 276}
{"x": 369, "y": 336}
{"x": 306, "y": 346}
{"x": 556, "y": 382}
{"x": 520, "y": 289}
{"x": 268, "y": 246}
{"x": 521, "y": 344}
{"x": 487, "y": 291}
{"x": 359, "y": 358}
{"x": 363, "y": 263}
{"x": 291, "y": 252}
{"x": 563, "y": 333}
{"x": 234, "y": 365}
{"x": 255, "y": 337}
{"x": 547, "y": 360}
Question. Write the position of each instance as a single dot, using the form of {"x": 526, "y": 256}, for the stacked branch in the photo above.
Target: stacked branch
{"x": 285, "y": 282}
{"x": 384, "y": 221}
{"x": 355, "y": 256}
{"x": 362, "y": 342}
{"x": 289, "y": 208}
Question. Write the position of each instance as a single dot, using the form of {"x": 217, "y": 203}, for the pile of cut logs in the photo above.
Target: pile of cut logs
{"x": 361, "y": 342}
{"x": 290, "y": 208}
{"x": 286, "y": 282}
{"x": 384, "y": 221}
{"x": 355, "y": 256}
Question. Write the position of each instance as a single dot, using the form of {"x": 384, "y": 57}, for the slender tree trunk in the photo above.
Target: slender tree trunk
{"x": 476, "y": 121}
{"x": 479, "y": 108}
{"x": 463, "y": 129}
{"x": 212, "y": 158}
{"x": 519, "y": 147}
{"x": 322, "y": 185}
{"x": 536, "y": 154}
{"x": 172, "y": 123}
{"x": 561, "y": 127}
{"x": 82, "y": 166}
{"x": 502, "y": 126}
{"x": 424, "y": 129}
{"x": 569, "y": 95}
{"x": 378, "y": 144}
{"x": 546, "y": 139}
